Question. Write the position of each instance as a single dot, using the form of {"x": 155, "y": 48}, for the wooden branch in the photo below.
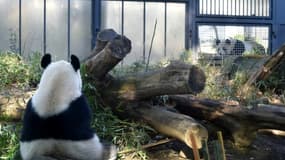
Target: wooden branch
{"x": 240, "y": 122}
{"x": 146, "y": 146}
{"x": 268, "y": 67}
{"x": 177, "y": 78}
{"x": 169, "y": 123}
{"x": 115, "y": 50}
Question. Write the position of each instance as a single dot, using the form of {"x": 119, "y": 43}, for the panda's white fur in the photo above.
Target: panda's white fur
{"x": 60, "y": 84}
{"x": 82, "y": 150}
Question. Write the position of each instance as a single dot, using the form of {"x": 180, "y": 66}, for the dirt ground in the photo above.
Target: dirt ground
{"x": 264, "y": 147}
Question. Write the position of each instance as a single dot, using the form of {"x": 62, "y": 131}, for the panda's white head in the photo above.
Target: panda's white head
{"x": 60, "y": 84}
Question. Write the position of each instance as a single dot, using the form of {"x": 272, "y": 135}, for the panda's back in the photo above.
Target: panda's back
{"x": 71, "y": 124}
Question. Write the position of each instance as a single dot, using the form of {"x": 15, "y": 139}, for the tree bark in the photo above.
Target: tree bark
{"x": 240, "y": 123}
{"x": 107, "y": 58}
{"x": 177, "y": 78}
{"x": 169, "y": 123}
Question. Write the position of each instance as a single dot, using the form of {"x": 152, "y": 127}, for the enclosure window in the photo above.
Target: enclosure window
{"x": 51, "y": 33}
{"x": 80, "y": 28}
{"x": 9, "y": 27}
{"x": 252, "y": 8}
{"x": 140, "y": 20}
{"x": 233, "y": 40}
{"x": 32, "y": 28}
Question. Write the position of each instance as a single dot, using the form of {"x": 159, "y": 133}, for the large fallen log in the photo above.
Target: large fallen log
{"x": 129, "y": 91}
{"x": 169, "y": 123}
{"x": 176, "y": 78}
{"x": 239, "y": 122}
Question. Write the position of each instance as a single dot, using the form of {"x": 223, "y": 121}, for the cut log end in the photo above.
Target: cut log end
{"x": 199, "y": 133}
{"x": 197, "y": 79}
{"x": 107, "y": 35}
{"x": 120, "y": 47}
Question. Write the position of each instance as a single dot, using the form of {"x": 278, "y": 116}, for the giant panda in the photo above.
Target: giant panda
{"x": 57, "y": 118}
{"x": 230, "y": 47}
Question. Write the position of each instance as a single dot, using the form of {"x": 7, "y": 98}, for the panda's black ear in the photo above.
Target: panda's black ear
{"x": 227, "y": 41}
{"x": 46, "y": 60}
{"x": 75, "y": 62}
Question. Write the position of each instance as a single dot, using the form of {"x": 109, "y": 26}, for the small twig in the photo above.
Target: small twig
{"x": 205, "y": 148}
{"x": 221, "y": 141}
{"x": 147, "y": 146}
{"x": 150, "y": 48}
{"x": 194, "y": 147}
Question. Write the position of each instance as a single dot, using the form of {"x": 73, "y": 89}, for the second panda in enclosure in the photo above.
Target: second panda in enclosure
{"x": 232, "y": 46}
{"x": 57, "y": 120}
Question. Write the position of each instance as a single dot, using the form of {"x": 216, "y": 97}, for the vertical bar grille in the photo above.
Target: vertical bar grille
{"x": 252, "y": 8}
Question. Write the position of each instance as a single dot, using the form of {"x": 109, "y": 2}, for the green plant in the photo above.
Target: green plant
{"x": 239, "y": 37}
{"x": 16, "y": 72}
{"x": 9, "y": 141}
{"x": 13, "y": 70}
{"x": 186, "y": 56}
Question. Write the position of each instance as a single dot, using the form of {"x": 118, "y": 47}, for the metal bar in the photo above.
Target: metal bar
{"x": 255, "y": 8}
{"x": 216, "y": 7}
{"x": 123, "y": 17}
{"x": 227, "y": 8}
{"x": 210, "y": 7}
{"x": 45, "y": 39}
{"x": 165, "y": 27}
{"x": 268, "y": 7}
{"x": 144, "y": 28}
{"x": 262, "y": 8}
{"x": 223, "y": 7}
{"x": 20, "y": 27}
{"x": 96, "y": 20}
{"x": 68, "y": 29}
{"x": 187, "y": 26}
{"x": 252, "y": 8}
{"x": 209, "y": 3}
{"x": 200, "y": 7}
{"x": 243, "y": 9}
{"x": 248, "y": 7}
{"x": 240, "y": 7}
{"x": 235, "y": 7}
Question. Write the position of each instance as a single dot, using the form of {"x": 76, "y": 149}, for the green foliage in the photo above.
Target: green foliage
{"x": 186, "y": 56}
{"x": 9, "y": 141}
{"x": 220, "y": 88}
{"x": 16, "y": 72}
{"x": 239, "y": 37}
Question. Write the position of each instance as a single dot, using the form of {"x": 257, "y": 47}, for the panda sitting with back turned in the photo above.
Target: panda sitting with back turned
{"x": 57, "y": 119}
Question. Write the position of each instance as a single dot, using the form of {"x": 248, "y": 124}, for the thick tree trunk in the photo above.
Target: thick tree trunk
{"x": 177, "y": 78}
{"x": 239, "y": 122}
{"x": 107, "y": 58}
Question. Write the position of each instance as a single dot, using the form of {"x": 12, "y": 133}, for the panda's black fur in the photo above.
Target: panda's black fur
{"x": 230, "y": 47}
{"x": 57, "y": 119}
{"x": 60, "y": 126}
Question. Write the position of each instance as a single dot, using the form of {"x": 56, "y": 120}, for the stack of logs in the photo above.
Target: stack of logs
{"x": 179, "y": 81}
